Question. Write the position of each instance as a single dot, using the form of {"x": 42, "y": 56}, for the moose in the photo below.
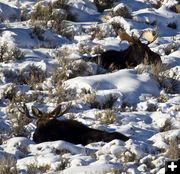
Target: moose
{"x": 135, "y": 54}
{"x": 49, "y": 128}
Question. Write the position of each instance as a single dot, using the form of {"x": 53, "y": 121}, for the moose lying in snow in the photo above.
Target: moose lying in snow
{"x": 136, "y": 53}
{"x": 51, "y": 129}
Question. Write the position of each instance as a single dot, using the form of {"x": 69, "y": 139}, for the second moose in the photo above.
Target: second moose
{"x": 136, "y": 53}
{"x": 49, "y": 128}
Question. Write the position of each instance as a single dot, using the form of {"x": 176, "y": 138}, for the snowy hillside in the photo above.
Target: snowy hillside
{"x": 51, "y": 53}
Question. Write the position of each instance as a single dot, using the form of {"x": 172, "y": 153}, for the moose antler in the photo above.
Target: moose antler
{"x": 22, "y": 108}
{"x": 59, "y": 112}
{"x": 133, "y": 39}
{"x": 149, "y": 35}
{"x": 38, "y": 114}
{"x": 125, "y": 36}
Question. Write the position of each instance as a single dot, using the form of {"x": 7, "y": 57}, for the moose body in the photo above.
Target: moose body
{"x": 49, "y": 128}
{"x": 135, "y": 54}
{"x": 74, "y": 132}
{"x": 130, "y": 57}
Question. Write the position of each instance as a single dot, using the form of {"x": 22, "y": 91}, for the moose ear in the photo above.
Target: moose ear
{"x": 57, "y": 111}
{"x": 36, "y": 112}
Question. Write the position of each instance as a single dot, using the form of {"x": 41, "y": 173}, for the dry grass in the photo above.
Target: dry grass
{"x": 103, "y": 4}
{"x": 60, "y": 94}
{"x": 34, "y": 168}
{"x": 8, "y": 53}
{"x": 84, "y": 48}
{"x": 173, "y": 152}
{"x": 8, "y": 165}
{"x": 125, "y": 107}
{"x": 24, "y": 16}
{"x": 64, "y": 163}
{"x": 70, "y": 68}
{"x": 97, "y": 32}
{"x": 162, "y": 98}
{"x": 18, "y": 122}
{"x": 122, "y": 170}
{"x": 97, "y": 50}
{"x": 13, "y": 95}
{"x": 60, "y": 4}
{"x": 127, "y": 156}
{"x": 170, "y": 48}
{"x": 117, "y": 27}
{"x": 40, "y": 13}
{"x": 10, "y": 92}
{"x": 168, "y": 125}
{"x": 63, "y": 6}
{"x": 37, "y": 33}
{"x": 3, "y": 137}
{"x": 91, "y": 99}
{"x": 106, "y": 117}
{"x": 162, "y": 75}
{"x": 53, "y": 16}
{"x": 65, "y": 65}
{"x": 32, "y": 76}
{"x": 110, "y": 100}
{"x": 121, "y": 11}
{"x": 60, "y": 152}
{"x": 157, "y": 4}
{"x": 80, "y": 68}
{"x": 59, "y": 76}
{"x": 151, "y": 107}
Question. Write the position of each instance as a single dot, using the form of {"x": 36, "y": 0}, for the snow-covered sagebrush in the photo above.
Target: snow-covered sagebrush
{"x": 44, "y": 65}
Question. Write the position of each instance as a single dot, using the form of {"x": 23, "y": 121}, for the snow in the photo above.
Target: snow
{"x": 17, "y": 35}
{"x": 141, "y": 107}
{"x": 118, "y": 80}
{"x": 112, "y": 44}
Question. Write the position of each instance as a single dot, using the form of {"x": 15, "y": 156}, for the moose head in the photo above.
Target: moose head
{"x": 139, "y": 52}
{"x": 49, "y": 128}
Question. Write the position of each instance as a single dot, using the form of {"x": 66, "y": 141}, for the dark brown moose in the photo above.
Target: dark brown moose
{"x": 49, "y": 128}
{"x": 136, "y": 53}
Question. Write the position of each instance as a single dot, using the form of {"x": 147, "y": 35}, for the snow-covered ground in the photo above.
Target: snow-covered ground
{"x": 146, "y": 105}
